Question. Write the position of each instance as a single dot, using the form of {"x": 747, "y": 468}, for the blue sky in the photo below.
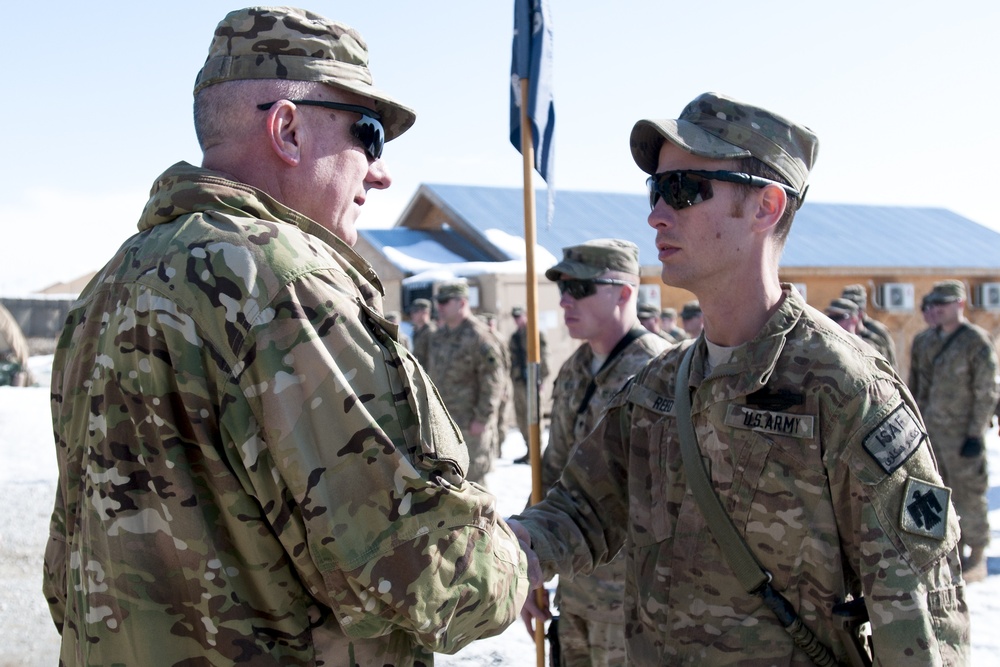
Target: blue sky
{"x": 903, "y": 96}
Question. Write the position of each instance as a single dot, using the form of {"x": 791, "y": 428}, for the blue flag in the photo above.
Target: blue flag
{"x": 532, "y": 59}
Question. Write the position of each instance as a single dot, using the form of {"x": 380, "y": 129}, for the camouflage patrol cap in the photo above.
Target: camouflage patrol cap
{"x": 516, "y": 311}
{"x": 592, "y": 258}
{"x": 690, "y": 309}
{"x": 842, "y": 306}
{"x": 719, "y": 127}
{"x": 647, "y": 311}
{"x": 451, "y": 290}
{"x": 420, "y": 304}
{"x": 856, "y": 293}
{"x": 295, "y": 44}
{"x": 669, "y": 312}
{"x": 947, "y": 291}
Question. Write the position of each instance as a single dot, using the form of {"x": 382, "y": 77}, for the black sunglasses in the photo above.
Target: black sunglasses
{"x": 684, "y": 187}
{"x": 368, "y": 130}
{"x": 581, "y": 289}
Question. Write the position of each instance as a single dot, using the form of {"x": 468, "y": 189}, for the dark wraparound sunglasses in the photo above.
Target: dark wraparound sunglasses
{"x": 368, "y": 130}
{"x": 580, "y": 289}
{"x": 684, "y": 188}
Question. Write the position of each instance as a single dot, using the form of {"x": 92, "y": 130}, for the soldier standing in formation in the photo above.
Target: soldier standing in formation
{"x": 691, "y": 319}
{"x": 847, "y": 315}
{"x": 423, "y": 327}
{"x": 873, "y": 331}
{"x": 467, "y": 365}
{"x": 668, "y": 323}
{"x": 649, "y": 318}
{"x": 517, "y": 345}
{"x": 953, "y": 376}
{"x": 598, "y": 282}
{"x": 252, "y": 469}
{"x": 814, "y": 448}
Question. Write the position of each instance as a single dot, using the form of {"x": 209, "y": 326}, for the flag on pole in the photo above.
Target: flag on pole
{"x": 532, "y": 59}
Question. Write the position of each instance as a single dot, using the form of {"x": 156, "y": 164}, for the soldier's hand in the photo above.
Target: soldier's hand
{"x": 536, "y": 609}
{"x": 972, "y": 447}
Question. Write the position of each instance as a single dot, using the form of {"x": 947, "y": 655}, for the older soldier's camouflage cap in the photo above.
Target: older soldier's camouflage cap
{"x": 842, "y": 306}
{"x": 947, "y": 291}
{"x": 452, "y": 289}
{"x": 719, "y": 127}
{"x": 295, "y": 44}
{"x": 591, "y": 259}
{"x": 420, "y": 304}
{"x": 690, "y": 309}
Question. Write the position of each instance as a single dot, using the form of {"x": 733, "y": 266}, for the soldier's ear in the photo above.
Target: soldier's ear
{"x": 770, "y": 201}
{"x": 285, "y": 132}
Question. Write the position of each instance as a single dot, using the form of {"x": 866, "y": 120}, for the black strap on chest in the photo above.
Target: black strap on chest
{"x": 633, "y": 334}
{"x": 948, "y": 341}
{"x": 754, "y": 578}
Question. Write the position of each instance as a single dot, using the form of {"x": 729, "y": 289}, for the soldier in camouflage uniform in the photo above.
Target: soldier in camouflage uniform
{"x": 252, "y": 469}
{"x": 517, "y": 346}
{"x": 847, "y": 315}
{"x": 810, "y": 440}
{"x": 649, "y": 318}
{"x": 955, "y": 371}
{"x": 919, "y": 349}
{"x": 591, "y": 614}
{"x": 692, "y": 319}
{"x": 467, "y": 365}
{"x": 668, "y": 323}
{"x": 423, "y": 327}
{"x": 872, "y": 331}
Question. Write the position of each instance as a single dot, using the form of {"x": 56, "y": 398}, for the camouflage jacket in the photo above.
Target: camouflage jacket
{"x": 819, "y": 457}
{"x": 879, "y": 337}
{"x": 422, "y": 342}
{"x": 598, "y": 596}
{"x": 957, "y": 383}
{"x": 252, "y": 470}
{"x": 517, "y": 345}
{"x": 468, "y": 366}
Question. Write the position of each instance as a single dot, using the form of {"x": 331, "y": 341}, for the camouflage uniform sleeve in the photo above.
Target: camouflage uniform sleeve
{"x": 556, "y": 452}
{"x": 491, "y": 372}
{"x": 53, "y": 566}
{"x": 583, "y": 520}
{"x": 382, "y": 532}
{"x": 984, "y": 390}
{"x": 906, "y": 562}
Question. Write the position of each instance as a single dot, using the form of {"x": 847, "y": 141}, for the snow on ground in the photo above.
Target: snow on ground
{"x": 27, "y": 486}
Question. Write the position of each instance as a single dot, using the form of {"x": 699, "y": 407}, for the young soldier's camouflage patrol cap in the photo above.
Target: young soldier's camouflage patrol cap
{"x": 452, "y": 289}
{"x": 295, "y": 44}
{"x": 719, "y": 127}
{"x": 947, "y": 291}
{"x": 591, "y": 259}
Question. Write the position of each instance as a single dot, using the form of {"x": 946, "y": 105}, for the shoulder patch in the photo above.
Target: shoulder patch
{"x": 925, "y": 509}
{"x": 770, "y": 421}
{"x": 894, "y": 439}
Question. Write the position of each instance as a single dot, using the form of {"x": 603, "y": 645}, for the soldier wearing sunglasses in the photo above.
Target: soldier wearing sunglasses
{"x": 253, "y": 468}
{"x": 814, "y": 453}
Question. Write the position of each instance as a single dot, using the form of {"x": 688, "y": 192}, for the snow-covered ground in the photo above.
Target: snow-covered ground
{"x": 27, "y": 486}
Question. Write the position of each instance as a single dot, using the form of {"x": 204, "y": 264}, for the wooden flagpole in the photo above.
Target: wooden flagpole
{"x": 531, "y": 283}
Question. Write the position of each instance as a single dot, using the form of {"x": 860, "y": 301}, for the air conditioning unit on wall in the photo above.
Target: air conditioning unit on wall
{"x": 895, "y": 296}
{"x": 989, "y": 296}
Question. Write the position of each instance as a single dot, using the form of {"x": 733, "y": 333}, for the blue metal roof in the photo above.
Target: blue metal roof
{"x": 401, "y": 237}
{"x": 823, "y": 235}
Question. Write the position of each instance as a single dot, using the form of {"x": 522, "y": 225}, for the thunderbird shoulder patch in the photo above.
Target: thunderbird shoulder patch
{"x": 895, "y": 438}
{"x": 925, "y": 508}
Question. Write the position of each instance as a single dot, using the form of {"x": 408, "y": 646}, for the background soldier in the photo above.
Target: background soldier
{"x": 691, "y": 319}
{"x": 237, "y": 426}
{"x": 873, "y": 331}
{"x": 518, "y": 348}
{"x": 423, "y": 327}
{"x": 668, "y": 323}
{"x": 649, "y": 318}
{"x": 404, "y": 340}
{"x": 603, "y": 315}
{"x": 848, "y": 316}
{"x": 467, "y": 365}
{"x": 956, "y": 371}
{"x": 814, "y": 451}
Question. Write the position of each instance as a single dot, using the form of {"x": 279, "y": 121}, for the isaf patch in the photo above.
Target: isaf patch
{"x": 893, "y": 441}
{"x": 925, "y": 508}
